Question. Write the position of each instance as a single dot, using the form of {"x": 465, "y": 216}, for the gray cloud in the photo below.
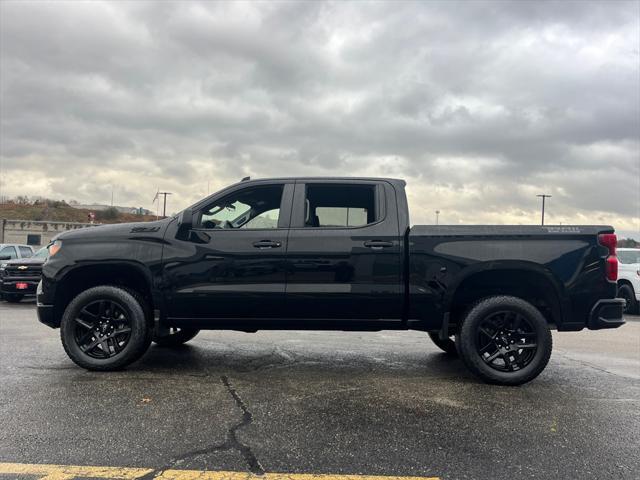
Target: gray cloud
{"x": 479, "y": 105}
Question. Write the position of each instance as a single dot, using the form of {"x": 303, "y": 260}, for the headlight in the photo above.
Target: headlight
{"x": 55, "y": 248}
{"x": 3, "y": 266}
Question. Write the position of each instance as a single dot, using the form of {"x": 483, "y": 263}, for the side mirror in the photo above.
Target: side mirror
{"x": 185, "y": 220}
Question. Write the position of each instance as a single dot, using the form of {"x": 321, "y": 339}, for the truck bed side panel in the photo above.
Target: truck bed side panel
{"x": 442, "y": 257}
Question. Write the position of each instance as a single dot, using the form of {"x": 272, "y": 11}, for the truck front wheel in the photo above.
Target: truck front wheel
{"x": 105, "y": 328}
{"x": 504, "y": 340}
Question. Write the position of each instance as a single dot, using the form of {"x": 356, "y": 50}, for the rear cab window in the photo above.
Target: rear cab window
{"x": 340, "y": 205}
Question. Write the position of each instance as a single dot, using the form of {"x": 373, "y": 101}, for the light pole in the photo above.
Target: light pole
{"x": 164, "y": 207}
{"x": 544, "y": 197}
{"x": 437, "y": 214}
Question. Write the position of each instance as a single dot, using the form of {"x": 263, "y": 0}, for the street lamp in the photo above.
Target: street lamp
{"x": 544, "y": 197}
{"x": 437, "y": 214}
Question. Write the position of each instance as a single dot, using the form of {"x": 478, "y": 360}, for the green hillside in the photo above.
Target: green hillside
{"x": 61, "y": 212}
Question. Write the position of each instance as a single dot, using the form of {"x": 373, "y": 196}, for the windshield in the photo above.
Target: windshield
{"x": 42, "y": 253}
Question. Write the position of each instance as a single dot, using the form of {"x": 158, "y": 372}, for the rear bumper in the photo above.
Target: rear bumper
{"x": 606, "y": 314}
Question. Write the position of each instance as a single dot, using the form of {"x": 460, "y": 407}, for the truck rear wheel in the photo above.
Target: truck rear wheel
{"x": 175, "y": 337}
{"x": 105, "y": 328}
{"x": 447, "y": 346}
{"x": 504, "y": 340}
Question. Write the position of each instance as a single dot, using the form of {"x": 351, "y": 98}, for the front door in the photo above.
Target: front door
{"x": 344, "y": 252}
{"x": 232, "y": 263}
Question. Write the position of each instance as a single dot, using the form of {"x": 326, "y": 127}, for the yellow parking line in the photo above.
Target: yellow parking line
{"x": 64, "y": 472}
{"x": 70, "y": 472}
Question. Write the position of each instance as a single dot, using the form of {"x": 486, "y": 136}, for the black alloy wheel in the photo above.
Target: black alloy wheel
{"x": 102, "y": 329}
{"x": 506, "y": 341}
{"x": 106, "y": 328}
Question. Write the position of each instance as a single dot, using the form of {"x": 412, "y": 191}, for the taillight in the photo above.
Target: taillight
{"x": 610, "y": 241}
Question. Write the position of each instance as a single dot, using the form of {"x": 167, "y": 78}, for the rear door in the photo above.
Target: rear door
{"x": 344, "y": 252}
{"x": 232, "y": 263}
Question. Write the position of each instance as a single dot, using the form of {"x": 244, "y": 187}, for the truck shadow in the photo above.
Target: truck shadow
{"x": 223, "y": 358}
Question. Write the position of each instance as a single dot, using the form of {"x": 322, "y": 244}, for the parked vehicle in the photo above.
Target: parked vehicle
{"x": 9, "y": 251}
{"x": 629, "y": 278}
{"x": 20, "y": 277}
{"x": 334, "y": 254}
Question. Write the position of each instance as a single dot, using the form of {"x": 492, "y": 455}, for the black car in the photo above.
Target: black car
{"x": 19, "y": 277}
{"x": 329, "y": 254}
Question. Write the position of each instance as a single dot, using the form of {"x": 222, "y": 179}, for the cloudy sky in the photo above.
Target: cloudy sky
{"x": 478, "y": 105}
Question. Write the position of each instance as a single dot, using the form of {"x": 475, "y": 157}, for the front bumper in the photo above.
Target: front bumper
{"x": 9, "y": 286}
{"x": 45, "y": 310}
{"x": 606, "y": 313}
{"x": 45, "y": 315}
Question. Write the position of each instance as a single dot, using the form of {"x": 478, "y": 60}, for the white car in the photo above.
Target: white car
{"x": 9, "y": 251}
{"x": 629, "y": 277}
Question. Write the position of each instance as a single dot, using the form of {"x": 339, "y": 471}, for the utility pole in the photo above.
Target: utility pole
{"x": 437, "y": 215}
{"x": 164, "y": 207}
{"x": 544, "y": 197}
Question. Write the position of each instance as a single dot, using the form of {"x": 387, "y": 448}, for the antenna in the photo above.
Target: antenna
{"x": 245, "y": 179}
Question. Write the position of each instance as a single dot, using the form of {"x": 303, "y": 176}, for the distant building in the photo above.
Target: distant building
{"x": 34, "y": 233}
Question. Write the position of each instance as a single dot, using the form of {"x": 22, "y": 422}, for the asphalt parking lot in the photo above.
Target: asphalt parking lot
{"x": 385, "y": 403}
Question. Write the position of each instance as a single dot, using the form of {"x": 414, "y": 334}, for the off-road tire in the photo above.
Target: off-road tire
{"x": 140, "y": 334}
{"x": 448, "y": 346}
{"x": 175, "y": 339}
{"x": 468, "y": 346}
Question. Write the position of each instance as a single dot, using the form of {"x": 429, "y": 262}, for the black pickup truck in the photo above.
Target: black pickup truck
{"x": 331, "y": 254}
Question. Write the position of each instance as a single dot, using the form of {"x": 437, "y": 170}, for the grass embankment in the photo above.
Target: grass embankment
{"x": 65, "y": 213}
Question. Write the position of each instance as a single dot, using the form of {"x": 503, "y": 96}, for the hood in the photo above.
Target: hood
{"x": 116, "y": 230}
{"x": 25, "y": 261}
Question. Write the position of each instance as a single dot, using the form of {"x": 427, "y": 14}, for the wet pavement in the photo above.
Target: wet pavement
{"x": 386, "y": 403}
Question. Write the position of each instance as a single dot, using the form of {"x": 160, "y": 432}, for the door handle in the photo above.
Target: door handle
{"x": 377, "y": 244}
{"x": 262, "y": 244}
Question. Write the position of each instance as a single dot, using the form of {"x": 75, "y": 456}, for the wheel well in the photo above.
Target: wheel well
{"x": 531, "y": 286}
{"x": 84, "y": 278}
{"x": 624, "y": 281}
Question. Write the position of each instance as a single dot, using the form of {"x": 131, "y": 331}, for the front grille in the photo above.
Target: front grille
{"x": 30, "y": 271}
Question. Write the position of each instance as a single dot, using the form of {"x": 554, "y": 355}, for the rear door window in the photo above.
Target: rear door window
{"x": 335, "y": 205}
